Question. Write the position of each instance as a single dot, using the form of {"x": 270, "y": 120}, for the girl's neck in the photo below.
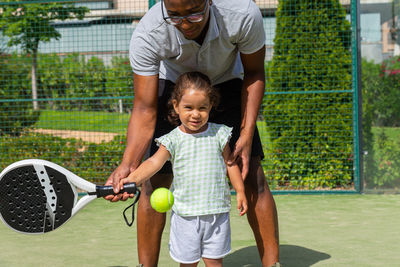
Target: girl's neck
{"x": 183, "y": 129}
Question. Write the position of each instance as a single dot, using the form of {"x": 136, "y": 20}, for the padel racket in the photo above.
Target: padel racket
{"x": 38, "y": 196}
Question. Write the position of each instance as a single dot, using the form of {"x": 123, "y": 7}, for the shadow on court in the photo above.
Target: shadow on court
{"x": 290, "y": 256}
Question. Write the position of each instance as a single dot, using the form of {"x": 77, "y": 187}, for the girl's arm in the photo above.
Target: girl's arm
{"x": 235, "y": 177}
{"x": 148, "y": 168}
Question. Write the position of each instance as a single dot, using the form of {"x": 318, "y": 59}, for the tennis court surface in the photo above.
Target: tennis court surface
{"x": 315, "y": 230}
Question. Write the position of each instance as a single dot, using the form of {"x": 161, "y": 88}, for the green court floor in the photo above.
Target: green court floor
{"x": 315, "y": 230}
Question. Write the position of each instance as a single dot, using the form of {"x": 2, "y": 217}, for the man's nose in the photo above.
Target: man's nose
{"x": 185, "y": 24}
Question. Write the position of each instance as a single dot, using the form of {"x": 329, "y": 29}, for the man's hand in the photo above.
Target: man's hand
{"x": 252, "y": 95}
{"x": 241, "y": 154}
{"x": 119, "y": 173}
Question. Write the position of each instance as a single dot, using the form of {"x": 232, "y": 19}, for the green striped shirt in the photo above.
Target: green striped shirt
{"x": 200, "y": 184}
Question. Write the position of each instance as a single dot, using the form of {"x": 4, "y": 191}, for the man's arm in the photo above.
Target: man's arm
{"x": 252, "y": 95}
{"x": 143, "y": 119}
{"x": 140, "y": 130}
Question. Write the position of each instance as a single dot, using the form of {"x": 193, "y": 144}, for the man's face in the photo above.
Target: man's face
{"x": 191, "y": 30}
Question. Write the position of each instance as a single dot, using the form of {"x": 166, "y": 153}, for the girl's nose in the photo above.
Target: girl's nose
{"x": 196, "y": 113}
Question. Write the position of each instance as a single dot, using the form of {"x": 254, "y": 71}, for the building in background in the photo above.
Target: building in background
{"x": 379, "y": 30}
{"x": 107, "y": 29}
{"x": 379, "y": 25}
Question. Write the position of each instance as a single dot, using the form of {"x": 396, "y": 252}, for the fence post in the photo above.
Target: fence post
{"x": 357, "y": 101}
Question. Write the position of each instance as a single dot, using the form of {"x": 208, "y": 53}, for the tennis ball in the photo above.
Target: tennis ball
{"x": 162, "y": 199}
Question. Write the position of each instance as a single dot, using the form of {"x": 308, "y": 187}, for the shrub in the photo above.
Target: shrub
{"x": 76, "y": 78}
{"x": 94, "y": 162}
{"x": 119, "y": 82}
{"x": 388, "y": 95}
{"x": 310, "y": 132}
{"x": 73, "y": 77}
{"x": 380, "y": 93}
{"x": 371, "y": 85}
{"x": 80, "y": 79}
{"x": 388, "y": 160}
{"x": 15, "y": 113}
{"x": 52, "y": 83}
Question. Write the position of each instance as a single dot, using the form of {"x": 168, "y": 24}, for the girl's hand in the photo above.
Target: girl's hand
{"x": 129, "y": 179}
{"x": 122, "y": 171}
{"x": 241, "y": 203}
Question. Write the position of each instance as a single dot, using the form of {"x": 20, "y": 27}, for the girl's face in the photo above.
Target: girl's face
{"x": 193, "y": 110}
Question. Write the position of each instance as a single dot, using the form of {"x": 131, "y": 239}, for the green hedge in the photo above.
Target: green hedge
{"x": 14, "y": 84}
{"x": 380, "y": 95}
{"x": 74, "y": 76}
{"x": 70, "y": 76}
{"x": 310, "y": 132}
{"x": 387, "y": 159}
{"x": 388, "y": 95}
{"x": 94, "y": 162}
{"x": 381, "y": 92}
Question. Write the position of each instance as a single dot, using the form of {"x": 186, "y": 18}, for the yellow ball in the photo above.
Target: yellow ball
{"x": 162, "y": 199}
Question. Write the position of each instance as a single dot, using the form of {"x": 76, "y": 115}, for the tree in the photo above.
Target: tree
{"x": 29, "y": 24}
{"x": 308, "y": 121}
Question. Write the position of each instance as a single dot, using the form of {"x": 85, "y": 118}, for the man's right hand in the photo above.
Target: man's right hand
{"x": 122, "y": 171}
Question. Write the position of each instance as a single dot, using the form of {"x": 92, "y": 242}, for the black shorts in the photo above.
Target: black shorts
{"x": 228, "y": 112}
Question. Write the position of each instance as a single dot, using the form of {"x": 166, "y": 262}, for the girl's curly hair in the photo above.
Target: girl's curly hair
{"x": 191, "y": 80}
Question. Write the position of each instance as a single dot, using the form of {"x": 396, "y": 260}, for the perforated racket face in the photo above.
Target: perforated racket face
{"x": 35, "y": 198}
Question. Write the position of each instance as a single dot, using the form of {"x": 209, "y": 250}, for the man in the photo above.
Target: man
{"x": 224, "y": 40}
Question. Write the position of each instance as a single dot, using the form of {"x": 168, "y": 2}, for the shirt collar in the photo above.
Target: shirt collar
{"x": 213, "y": 31}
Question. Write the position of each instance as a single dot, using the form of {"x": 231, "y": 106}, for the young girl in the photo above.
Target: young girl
{"x": 198, "y": 151}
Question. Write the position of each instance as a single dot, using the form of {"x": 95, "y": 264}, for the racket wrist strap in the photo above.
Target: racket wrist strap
{"x": 129, "y": 223}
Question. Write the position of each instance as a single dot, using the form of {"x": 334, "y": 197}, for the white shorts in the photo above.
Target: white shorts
{"x": 196, "y": 237}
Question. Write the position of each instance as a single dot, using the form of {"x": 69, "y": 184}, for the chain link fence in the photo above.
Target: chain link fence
{"x": 380, "y": 65}
{"x": 66, "y": 89}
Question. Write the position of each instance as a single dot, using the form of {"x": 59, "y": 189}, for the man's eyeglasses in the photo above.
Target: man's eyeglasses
{"x": 177, "y": 20}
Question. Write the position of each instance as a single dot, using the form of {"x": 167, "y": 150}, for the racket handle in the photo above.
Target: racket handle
{"x": 105, "y": 190}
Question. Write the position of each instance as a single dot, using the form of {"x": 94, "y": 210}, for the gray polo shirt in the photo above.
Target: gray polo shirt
{"x": 159, "y": 48}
